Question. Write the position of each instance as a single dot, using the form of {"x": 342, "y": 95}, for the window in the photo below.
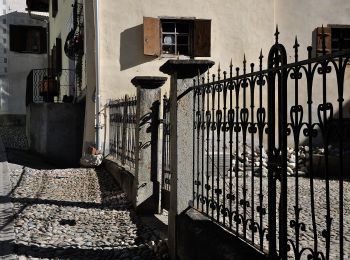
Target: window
{"x": 4, "y": 21}
{"x": 171, "y": 36}
{"x": 176, "y": 36}
{"x": 337, "y": 37}
{"x": 27, "y": 39}
{"x": 54, "y": 7}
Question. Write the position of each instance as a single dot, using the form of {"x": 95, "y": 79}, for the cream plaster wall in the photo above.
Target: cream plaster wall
{"x": 238, "y": 27}
{"x": 122, "y": 35}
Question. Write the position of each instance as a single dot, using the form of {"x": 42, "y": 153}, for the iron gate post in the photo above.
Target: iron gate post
{"x": 146, "y": 186}
{"x": 277, "y": 150}
{"x": 182, "y": 73}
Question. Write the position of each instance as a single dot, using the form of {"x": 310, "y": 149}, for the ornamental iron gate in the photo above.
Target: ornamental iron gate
{"x": 271, "y": 149}
{"x": 165, "y": 199}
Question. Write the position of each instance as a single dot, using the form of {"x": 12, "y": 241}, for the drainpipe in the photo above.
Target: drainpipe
{"x": 97, "y": 66}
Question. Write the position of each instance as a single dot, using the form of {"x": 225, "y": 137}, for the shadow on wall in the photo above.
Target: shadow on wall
{"x": 334, "y": 137}
{"x": 131, "y": 48}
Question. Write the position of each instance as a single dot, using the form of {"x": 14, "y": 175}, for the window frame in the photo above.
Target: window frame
{"x": 199, "y": 44}
{"x": 21, "y": 39}
{"x": 176, "y": 34}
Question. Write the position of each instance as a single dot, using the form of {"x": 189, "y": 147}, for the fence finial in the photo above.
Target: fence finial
{"x": 296, "y": 46}
{"x": 277, "y": 33}
{"x": 260, "y": 59}
{"x": 244, "y": 64}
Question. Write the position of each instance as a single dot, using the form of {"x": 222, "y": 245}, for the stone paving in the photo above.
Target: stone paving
{"x": 14, "y": 137}
{"x": 78, "y": 214}
{"x": 6, "y": 209}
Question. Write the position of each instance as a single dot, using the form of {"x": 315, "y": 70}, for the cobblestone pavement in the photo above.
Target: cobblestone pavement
{"x": 78, "y": 214}
{"x": 14, "y": 137}
{"x": 6, "y": 209}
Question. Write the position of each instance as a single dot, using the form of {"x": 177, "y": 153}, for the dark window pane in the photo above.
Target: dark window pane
{"x": 182, "y": 39}
{"x": 183, "y": 50}
{"x": 182, "y": 27}
{"x": 168, "y": 49}
{"x": 168, "y": 27}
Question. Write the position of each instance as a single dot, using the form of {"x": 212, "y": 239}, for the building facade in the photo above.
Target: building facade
{"x": 124, "y": 39}
{"x": 23, "y": 48}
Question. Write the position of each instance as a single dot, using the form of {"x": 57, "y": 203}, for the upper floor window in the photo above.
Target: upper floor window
{"x": 27, "y": 39}
{"x": 172, "y": 36}
{"x": 336, "y": 38}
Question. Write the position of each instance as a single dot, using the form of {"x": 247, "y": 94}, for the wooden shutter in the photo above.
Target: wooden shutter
{"x": 58, "y": 55}
{"x": 43, "y": 40}
{"x": 202, "y": 35}
{"x": 18, "y": 38}
{"x": 53, "y": 57}
{"x": 317, "y": 41}
{"x": 54, "y": 7}
{"x": 151, "y": 36}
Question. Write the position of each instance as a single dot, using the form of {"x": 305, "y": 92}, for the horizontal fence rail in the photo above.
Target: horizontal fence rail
{"x": 122, "y": 127}
{"x": 271, "y": 153}
{"x": 50, "y": 85}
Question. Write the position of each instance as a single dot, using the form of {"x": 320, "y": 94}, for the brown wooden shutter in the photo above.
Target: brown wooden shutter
{"x": 317, "y": 41}
{"x": 43, "y": 40}
{"x": 202, "y": 35}
{"x": 151, "y": 36}
{"x": 18, "y": 38}
{"x": 58, "y": 55}
{"x": 54, "y": 7}
{"x": 53, "y": 57}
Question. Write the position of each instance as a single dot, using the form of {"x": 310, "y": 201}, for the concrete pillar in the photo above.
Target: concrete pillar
{"x": 146, "y": 186}
{"x": 182, "y": 73}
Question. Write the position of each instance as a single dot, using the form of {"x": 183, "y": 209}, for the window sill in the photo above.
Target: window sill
{"x": 173, "y": 56}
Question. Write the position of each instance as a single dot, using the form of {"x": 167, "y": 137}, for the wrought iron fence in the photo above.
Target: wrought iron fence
{"x": 271, "y": 153}
{"x": 49, "y": 85}
{"x": 122, "y": 124}
{"x": 165, "y": 149}
{"x": 166, "y": 174}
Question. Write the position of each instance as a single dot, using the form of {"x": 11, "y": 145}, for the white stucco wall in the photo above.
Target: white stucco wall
{"x": 15, "y": 67}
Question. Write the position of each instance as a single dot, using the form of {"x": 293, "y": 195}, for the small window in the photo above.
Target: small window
{"x": 4, "y": 40}
{"x": 336, "y": 38}
{"x": 4, "y": 30}
{"x": 5, "y": 60}
{"x": 27, "y": 39}
{"x": 54, "y": 7}
{"x": 4, "y": 21}
{"x": 189, "y": 37}
{"x": 176, "y": 37}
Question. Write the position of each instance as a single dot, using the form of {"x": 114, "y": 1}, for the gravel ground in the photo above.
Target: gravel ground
{"x": 78, "y": 214}
{"x": 306, "y": 237}
{"x": 14, "y": 137}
